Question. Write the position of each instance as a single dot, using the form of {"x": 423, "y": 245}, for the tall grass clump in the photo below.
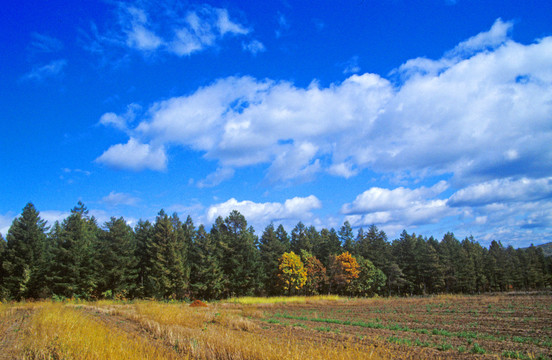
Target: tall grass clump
{"x": 57, "y": 331}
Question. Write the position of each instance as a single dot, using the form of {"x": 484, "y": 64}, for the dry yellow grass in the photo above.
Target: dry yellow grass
{"x": 57, "y": 331}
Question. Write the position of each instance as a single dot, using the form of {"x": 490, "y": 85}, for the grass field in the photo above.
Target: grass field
{"x": 515, "y": 326}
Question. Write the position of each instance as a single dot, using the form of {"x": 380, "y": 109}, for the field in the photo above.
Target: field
{"x": 513, "y": 325}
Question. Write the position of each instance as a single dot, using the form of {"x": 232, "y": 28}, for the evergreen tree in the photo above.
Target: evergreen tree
{"x": 450, "y": 255}
{"x": 143, "y": 233}
{"x": 283, "y": 237}
{"x": 118, "y": 256}
{"x": 207, "y": 279}
{"x": 24, "y": 258}
{"x": 74, "y": 267}
{"x": 241, "y": 262}
{"x": 3, "y": 290}
{"x": 300, "y": 239}
{"x": 404, "y": 251}
{"x": 167, "y": 267}
{"x": 271, "y": 249}
{"x": 329, "y": 244}
{"x": 346, "y": 237}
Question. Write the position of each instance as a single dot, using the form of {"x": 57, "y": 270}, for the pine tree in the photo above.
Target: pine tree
{"x": 327, "y": 245}
{"x": 74, "y": 269}
{"x": 271, "y": 249}
{"x": 118, "y": 257}
{"x": 3, "y": 290}
{"x": 207, "y": 279}
{"x": 143, "y": 233}
{"x": 167, "y": 265}
{"x": 24, "y": 258}
{"x": 300, "y": 239}
{"x": 346, "y": 237}
{"x": 241, "y": 262}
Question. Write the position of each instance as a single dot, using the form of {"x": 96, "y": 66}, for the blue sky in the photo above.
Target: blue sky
{"x": 430, "y": 116}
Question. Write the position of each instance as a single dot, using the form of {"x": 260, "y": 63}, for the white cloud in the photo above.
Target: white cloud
{"x": 138, "y": 36}
{"x": 134, "y": 156}
{"x": 399, "y": 207}
{"x": 121, "y": 122}
{"x": 161, "y": 26}
{"x": 116, "y": 199}
{"x": 377, "y": 199}
{"x": 254, "y": 47}
{"x": 497, "y": 35}
{"x": 480, "y": 116}
{"x": 503, "y": 191}
{"x": 264, "y": 213}
{"x": 50, "y": 70}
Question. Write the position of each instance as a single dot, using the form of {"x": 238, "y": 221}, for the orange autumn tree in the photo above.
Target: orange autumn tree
{"x": 343, "y": 269}
{"x": 291, "y": 272}
{"x": 316, "y": 274}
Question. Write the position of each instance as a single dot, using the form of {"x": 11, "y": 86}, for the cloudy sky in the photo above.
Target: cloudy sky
{"x": 430, "y": 116}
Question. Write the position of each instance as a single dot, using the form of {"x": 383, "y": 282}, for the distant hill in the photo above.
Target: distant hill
{"x": 546, "y": 248}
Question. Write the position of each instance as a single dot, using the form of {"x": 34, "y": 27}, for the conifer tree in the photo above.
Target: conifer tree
{"x": 206, "y": 277}
{"x": 118, "y": 256}
{"x": 271, "y": 249}
{"x": 168, "y": 271}
{"x": 143, "y": 233}
{"x": 241, "y": 262}
{"x": 3, "y": 289}
{"x": 75, "y": 265}
{"x": 346, "y": 237}
{"x": 24, "y": 258}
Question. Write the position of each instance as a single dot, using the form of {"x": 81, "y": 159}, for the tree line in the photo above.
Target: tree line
{"x": 174, "y": 259}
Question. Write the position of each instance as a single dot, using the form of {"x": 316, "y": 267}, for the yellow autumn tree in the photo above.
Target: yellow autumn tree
{"x": 292, "y": 273}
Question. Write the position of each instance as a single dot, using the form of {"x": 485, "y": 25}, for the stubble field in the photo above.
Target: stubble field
{"x": 515, "y": 326}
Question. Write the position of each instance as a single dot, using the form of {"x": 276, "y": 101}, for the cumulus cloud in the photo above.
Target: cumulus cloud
{"x": 116, "y": 199}
{"x": 264, "y": 213}
{"x": 503, "y": 191}
{"x": 134, "y": 156}
{"x": 399, "y": 207}
{"x": 479, "y": 115}
{"x": 379, "y": 199}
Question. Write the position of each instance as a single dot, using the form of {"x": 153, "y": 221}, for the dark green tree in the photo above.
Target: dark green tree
{"x": 327, "y": 245}
{"x": 119, "y": 263}
{"x": 241, "y": 261}
{"x": 143, "y": 234}
{"x": 24, "y": 261}
{"x": 168, "y": 270}
{"x": 371, "y": 280}
{"x": 74, "y": 269}
{"x": 346, "y": 237}
{"x": 207, "y": 278}
{"x": 300, "y": 239}
{"x": 271, "y": 249}
{"x": 3, "y": 289}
